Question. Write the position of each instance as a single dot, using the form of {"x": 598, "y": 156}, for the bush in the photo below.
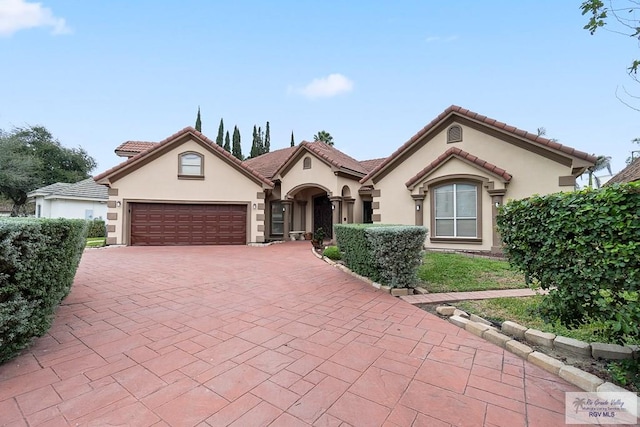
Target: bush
{"x": 332, "y": 252}
{"x": 397, "y": 251}
{"x": 38, "y": 261}
{"x": 585, "y": 244}
{"x": 388, "y": 254}
{"x": 97, "y": 228}
{"x": 356, "y": 250}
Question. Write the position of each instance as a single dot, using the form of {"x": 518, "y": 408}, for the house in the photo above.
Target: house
{"x": 451, "y": 176}
{"x": 84, "y": 199}
{"x": 631, "y": 173}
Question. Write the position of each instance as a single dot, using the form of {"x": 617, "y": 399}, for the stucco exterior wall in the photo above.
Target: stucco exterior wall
{"x": 531, "y": 173}
{"x": 69, "y": 208}
{"x": 158, "y": 181}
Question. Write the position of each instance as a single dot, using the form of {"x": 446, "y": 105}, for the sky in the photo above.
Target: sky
{"x": 98, "y": 73}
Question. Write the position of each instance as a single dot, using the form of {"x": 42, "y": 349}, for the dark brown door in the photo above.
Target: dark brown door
{"x": 160, "y": 224}
{"x": 323, "y": 215}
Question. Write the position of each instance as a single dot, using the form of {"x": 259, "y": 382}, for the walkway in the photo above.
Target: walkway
{"x": 464, "y": 296}
{"x": 251, "y": 336}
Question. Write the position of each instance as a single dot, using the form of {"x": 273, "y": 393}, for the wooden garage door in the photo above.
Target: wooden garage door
{"x": 159, "y": 224}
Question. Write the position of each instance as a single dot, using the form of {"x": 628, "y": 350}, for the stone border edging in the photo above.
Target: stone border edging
{"x": 485, "y": 329}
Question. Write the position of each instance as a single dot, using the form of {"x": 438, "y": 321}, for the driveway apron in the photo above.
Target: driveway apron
{"x": 253, "y": 336}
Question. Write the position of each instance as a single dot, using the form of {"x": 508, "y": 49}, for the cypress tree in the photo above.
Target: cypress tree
{"x": 267, "y": 140}
{"x": 236, "y": 150}
{"x": 227, "y": 142}
{"x": 259, "y": 143}
{"x": 293, "y": 143}
{"x": 254, "y": 144}
{"x": 220, "y": 134}
{"x": 198, "y": 121}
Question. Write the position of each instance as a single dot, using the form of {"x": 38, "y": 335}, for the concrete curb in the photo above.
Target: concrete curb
{"x": 584, "y": 380}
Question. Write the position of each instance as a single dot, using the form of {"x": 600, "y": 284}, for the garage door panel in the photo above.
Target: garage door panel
{"x": 185, "y": 224}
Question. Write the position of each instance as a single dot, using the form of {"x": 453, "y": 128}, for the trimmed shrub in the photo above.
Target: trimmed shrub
{"x": 585, "y": 244}
{"x": 38, "y": 261}
{"x": 397, "y": 251}
{"x": 332, "y": 252}
{"x": 388, "y": 254}
{"x": 97, "y": 228}
{"x": 355, "y": 248}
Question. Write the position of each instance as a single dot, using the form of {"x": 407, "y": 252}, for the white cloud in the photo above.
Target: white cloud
{"x": 16, "y": 15}
{"x": 432, "y": 39}
{"x": 325, "y": 87}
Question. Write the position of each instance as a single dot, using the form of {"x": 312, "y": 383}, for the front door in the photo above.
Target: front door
{"x": 322, "y": 215}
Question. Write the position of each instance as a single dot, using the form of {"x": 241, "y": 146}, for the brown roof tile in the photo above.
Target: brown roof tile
{"x": 630, "y": 173}
{"x": 267, "y": 164}
{"x": 334, "y": 156}
{"x": 212, "y": 145}
{"x": 134, "y": 147}
{"x": 454, "y": 109}
{"x": 371, "y": 164}
{"x": 461, "y": 154}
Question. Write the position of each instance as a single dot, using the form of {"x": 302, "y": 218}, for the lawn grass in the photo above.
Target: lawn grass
{"x": 96, "y": 242}
{"x": 452, "y": 272}
{"x": 523, "y": 311}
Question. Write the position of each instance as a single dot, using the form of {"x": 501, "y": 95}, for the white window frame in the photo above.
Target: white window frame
{"x": 455, "y": 216}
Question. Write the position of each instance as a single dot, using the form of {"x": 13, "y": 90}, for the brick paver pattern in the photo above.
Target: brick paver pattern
{"x": 256, "y": 336}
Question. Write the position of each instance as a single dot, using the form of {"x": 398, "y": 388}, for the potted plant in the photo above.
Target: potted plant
{"x": 318, "y": 239}
{"x": 308, "y": 235}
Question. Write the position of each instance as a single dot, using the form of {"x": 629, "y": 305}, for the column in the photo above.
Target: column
{"x": 419, "y": 208}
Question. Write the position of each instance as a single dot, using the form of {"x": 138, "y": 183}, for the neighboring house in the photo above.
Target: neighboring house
{"x": 451, "y": 177}
{"x": 631, "y": 173}
{"x": 84, "y": 199}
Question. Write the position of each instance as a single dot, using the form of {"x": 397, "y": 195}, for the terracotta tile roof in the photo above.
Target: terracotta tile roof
{"x": 630, "y": 173}
{"x": 131, "y": 148}
{"x": 370, "y": 165}
{"x": 463, "y": 155}
{"x": 463, "y": 112}
{"x": 335, "y": 157}
{"x": 267, "y": 164}
{"x": 167, "y": 141}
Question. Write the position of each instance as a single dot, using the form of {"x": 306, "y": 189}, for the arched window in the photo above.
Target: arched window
{"x": 456, "y": 210}
{"x": 306, "y": 163}
{"x": 190, "y": 165}
{"x": 454, "y": 134}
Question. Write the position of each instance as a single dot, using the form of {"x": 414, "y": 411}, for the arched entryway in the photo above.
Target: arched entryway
{"x": 322, "y": 215}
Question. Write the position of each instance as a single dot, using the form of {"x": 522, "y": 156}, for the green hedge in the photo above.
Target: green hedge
{"x": 356, "y": 250}
{"x": 38, "y": 261}
{"x": 388, "y": 254}
{"x": 397, "y": 251}
{"x": 97, "y": 228}
{"x": 586, "y": 245}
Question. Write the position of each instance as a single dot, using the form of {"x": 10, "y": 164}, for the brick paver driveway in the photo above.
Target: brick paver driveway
{"x": 251, "y": 336}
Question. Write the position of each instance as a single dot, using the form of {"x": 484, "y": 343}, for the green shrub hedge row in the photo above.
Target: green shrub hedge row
{"x": 388, "y": 254}
{"x": 586, "y": 245}
{"x": 38, "y": 261}
{"x": 356, "y": 252}
{"x": 97, "y": 228}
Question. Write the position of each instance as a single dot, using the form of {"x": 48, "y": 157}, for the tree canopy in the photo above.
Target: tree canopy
{"x": 323, "y": 136}
{"x": 30, "y": 158}
{"x": 198, "y": 121}
{"x": 618, "y": 16}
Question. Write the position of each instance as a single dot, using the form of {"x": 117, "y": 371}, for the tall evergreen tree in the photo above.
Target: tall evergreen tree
{"x": 293, "y": 142}
{"x": 260, "y": 142}
{"x": 236, "y": 150}
{"x": 267, "y": 140}
{"x": 227, "y": 142}
{"x": 254, "y": 144}
{"x": 219, "y": 140}
{"x": 198, "y": 121}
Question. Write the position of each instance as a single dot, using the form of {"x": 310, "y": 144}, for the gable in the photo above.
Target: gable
{"x": 187, "y": 136}
{"x": 476, "y": 127}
